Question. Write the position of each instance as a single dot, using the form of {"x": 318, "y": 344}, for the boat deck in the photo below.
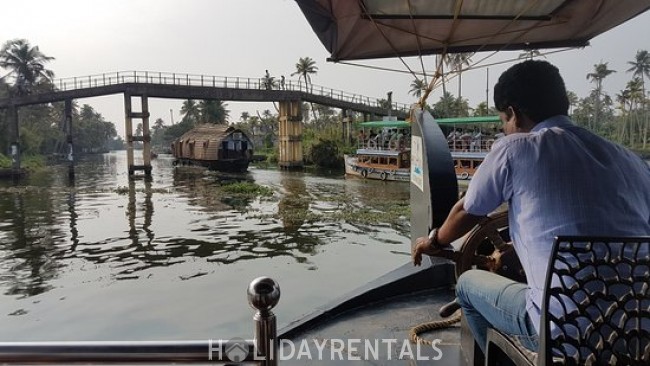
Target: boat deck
{"x": 381, "y": 323}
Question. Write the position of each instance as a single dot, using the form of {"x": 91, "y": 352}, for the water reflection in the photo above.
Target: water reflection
{"x": 132, "y": 210}
{"x": 29, "y": 252}
{"x": 294, "y": 204}
{"x": 104, "y": 244}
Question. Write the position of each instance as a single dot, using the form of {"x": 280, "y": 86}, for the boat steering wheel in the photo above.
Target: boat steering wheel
{"x": 487, "y": 246}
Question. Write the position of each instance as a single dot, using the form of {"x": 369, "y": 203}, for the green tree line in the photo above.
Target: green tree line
{"x": 41, "y": 127}
{"x": 623, "y": 118}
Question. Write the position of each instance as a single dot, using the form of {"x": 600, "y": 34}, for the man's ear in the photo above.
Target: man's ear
{"x": 510, "y": 114}
{"x": 516, "y": 115}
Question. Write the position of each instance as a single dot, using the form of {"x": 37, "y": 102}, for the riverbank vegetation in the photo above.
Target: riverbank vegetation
{"x": 42, "y": 127}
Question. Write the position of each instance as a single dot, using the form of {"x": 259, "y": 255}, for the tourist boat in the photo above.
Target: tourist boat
{"x": 384, "y": 156}
{"x": 215, "y": 146}
{"x": 469, "y": 140}
{"x": 384, "y": 151}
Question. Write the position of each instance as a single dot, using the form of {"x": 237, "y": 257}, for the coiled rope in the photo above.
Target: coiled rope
{"x": 432, "y": 325}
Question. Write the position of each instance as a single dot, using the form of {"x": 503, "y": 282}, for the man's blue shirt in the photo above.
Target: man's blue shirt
{"x": 560, "y": 179}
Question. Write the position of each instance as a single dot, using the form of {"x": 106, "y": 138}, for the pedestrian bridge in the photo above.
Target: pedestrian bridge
{"x": 147, "y": 84}
{"x": 194, "y": 86}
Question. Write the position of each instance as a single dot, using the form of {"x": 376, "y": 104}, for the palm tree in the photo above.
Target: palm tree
{"x": 213, "y": 111}
{"x": 269, "y": 82}
{"x": 600, "y": 73}
{"x": 456, "y": 61}
{"x": 190, "y": 111}
{"x": 641, "y": 68}
{"x": 305, "y": 67}
{"x": 635, "y": 91}
{"x": 26, "y": 64}
{"x": 640, "y": 65}
{"x": 623, "y": 98}
{"x": 573, "y": 100}
{"x": 158, "y": 124}
{"x": 417, "y": 87}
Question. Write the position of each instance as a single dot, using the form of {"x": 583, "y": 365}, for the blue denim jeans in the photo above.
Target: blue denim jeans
{"x": 490, "y": 300}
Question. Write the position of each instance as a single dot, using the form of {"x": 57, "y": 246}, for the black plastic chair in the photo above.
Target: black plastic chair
{"x": 596, "y": 308}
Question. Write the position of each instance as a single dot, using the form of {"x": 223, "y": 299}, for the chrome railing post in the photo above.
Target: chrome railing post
{"x": 263, "y": 295}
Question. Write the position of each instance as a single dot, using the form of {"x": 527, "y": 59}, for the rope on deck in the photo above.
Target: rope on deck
{"x": 432, "y": 325}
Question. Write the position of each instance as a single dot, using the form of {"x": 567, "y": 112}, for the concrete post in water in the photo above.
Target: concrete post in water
{"x": 290, "y": 132}
{"x": 128, "y": 124}
{"x": 263, "y": 295}
{"x": 12, "y": 119}
{"x": 68, "y": 131}
{"x": 146, "y": 136}
{"x": 347, "y": 126}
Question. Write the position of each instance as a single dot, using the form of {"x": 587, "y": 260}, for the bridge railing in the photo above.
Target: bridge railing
{"x": 231, "y": 82}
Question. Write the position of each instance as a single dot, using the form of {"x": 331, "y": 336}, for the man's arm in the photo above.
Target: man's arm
{"x": 457, "y": 224}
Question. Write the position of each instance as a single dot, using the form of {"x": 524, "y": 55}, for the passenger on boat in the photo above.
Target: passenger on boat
{"x": 362, "y": 137}
{"x": 372, "y": 137}
{"x": 558, "y": 179}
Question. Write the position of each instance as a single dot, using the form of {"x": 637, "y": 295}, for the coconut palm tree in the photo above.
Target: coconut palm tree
{"x": 457, "y": 61}
{"x": 640, "y": 67}
{"x": 635, "y": 90}
{"x": 213, "y": 111}
{"x": 158, "y": 124}
{"x": 269, "y": 82}
{"x": 190, "y": 111}
{"x": 417, "y": 87}
{"x": 573, "y": 100}
{"x": 26, "y": 64}
{"x": 623, "y": 98}
{"x": 600, "y": 73}
{"x": 304, "y": 68}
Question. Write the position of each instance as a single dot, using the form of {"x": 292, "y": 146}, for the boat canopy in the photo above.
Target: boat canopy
{"x": 382, "y": 124}
{"x": 440, "y": 121}
{"x": 467, "y": 120}
{"x": 365, "y": 29}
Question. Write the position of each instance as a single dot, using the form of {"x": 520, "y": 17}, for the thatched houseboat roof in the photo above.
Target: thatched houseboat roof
{"x": 207, "y": 132}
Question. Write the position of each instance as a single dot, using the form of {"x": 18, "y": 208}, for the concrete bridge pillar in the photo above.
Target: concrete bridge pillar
{"x": 346, "y": 126}
{"x": 129, "y": 115}
{"x": 290, "y": 134}
{"x": 67, "y": 115}
{"x": 14, "y": 136}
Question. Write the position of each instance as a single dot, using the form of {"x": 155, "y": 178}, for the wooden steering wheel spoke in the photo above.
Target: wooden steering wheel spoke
{"x": 489, "y": 230}
{"x": 495, "y": 237}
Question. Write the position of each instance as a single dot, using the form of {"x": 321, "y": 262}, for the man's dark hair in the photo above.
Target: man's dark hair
{"x": 534, "y": 88}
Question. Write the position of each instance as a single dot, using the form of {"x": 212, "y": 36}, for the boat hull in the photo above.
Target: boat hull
{"x": 223, "y": 165}
{"x": 353, "y": 168}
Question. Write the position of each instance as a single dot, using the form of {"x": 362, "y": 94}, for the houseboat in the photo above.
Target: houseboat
{"x": 215, "y": 146}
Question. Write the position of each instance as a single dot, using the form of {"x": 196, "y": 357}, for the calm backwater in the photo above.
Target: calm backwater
{"x": 107, "y": 258}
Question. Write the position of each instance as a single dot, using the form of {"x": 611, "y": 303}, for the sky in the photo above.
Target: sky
{"x": 246, "y": 37}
